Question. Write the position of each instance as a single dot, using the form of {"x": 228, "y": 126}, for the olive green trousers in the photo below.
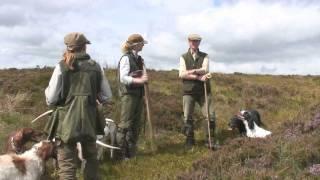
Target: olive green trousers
{"x": 130, "y": 124}
{"x": 189, "y": 102}
{"x": 67, "y": 161}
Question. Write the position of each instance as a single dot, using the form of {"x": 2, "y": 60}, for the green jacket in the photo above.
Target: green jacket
{"x": 194, "y": 86}
{"x": 75, "y": 117}
{"x": 136, "y": 65}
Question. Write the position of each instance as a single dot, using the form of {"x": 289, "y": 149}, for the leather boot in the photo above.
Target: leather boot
{"x": 188, "y": 132}
{"x": 122, "y": 154}
{"x": 189, "y": 141}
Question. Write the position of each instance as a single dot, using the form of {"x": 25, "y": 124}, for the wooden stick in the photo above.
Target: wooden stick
{"x": 147, "y": 103}
{"x": 42, "y": 115}
{"x": 208, "y": 114}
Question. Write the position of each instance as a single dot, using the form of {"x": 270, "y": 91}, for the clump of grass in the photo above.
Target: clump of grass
{"x": 284, "y": 155}
{"x": 10, "y": 102}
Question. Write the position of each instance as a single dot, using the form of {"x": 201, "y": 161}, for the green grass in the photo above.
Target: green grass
{"x": 284, "y": 102}
{"x": 170, "y": 158}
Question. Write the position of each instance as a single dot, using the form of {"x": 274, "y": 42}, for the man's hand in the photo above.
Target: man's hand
{"x": 192, "y": 71}
{"x": 196, "y": 71}
{"x": 199, "y": 71}
{"x": 144, "y": 78}
{"x": 202, "y": 78}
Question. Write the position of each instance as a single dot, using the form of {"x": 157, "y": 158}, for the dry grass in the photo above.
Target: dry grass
{"x": 10, "y": 102}
{"x": 287, "y": 104}
{"x": 286, "y": 155}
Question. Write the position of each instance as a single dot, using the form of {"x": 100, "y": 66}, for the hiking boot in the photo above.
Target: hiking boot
{"x": 214, "y": 146}
{"x": 208, "y": 145}
{"x": 190, "y": 142}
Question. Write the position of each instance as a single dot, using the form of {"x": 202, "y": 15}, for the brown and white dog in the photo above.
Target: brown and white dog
{"x": 17, "y": 140}
{"x": 28, "y": 165}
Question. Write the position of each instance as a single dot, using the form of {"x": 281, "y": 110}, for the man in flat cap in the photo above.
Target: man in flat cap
{"x": 131, "y": 90}
{"x": 194, "y": 66}
{"x": 77, "y": 83}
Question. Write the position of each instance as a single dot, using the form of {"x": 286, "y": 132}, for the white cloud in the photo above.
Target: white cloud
{"x": 280, "y": 67}
{"x": 240, "y": 36}
{"x": 180, "y": 7}
{"x": 252, "y": 30}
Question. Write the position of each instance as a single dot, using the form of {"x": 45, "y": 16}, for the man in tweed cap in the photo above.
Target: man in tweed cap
{"x": 194, "y": 65}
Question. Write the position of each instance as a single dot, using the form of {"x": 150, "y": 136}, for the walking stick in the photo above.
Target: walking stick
{"x": 207, "y": 109}
{"x": 147, "y": 102}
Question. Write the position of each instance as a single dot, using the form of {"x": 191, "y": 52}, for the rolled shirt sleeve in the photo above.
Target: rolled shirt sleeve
{"x": 203, "y": 70}
{"x": 205, "y": 66}
{"x": 53, "y": 90}
{"x": 124, "y": 70}
{"x": 182, "y": 68}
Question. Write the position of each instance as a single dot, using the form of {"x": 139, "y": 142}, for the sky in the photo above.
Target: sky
{"x": 247, "y": 36}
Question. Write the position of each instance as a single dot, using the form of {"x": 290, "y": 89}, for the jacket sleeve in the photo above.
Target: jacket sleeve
{"x": 106, "y": 93}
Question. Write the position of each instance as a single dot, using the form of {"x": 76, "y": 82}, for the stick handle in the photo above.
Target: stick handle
{"x": 209, "y": 76}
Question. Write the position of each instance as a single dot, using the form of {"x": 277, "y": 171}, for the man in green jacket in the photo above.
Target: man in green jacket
{"x": 194, "y": 66}
{"x": 76, "y": 85}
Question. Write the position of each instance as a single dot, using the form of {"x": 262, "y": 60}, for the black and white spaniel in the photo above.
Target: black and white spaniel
{"x": 249, "y": 123}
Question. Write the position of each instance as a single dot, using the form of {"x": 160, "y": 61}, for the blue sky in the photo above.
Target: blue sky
{"x": 249, "y": 36}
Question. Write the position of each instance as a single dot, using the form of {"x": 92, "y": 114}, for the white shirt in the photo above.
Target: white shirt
{"x": 55, "y": 87}
{"x": 124, "y": 69}
{"x": 183, "y": 68}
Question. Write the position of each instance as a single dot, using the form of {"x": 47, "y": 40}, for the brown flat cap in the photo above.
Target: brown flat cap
{"x": 75, "y": 39}
{"x": 134, "y": 39}
{"x": 194, "y": 37}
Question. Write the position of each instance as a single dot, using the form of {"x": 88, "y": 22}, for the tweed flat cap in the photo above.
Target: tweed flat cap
{"x": 194, "y": 37}
{"x": 75, "y": 39}
{"x": 134, "y": 39}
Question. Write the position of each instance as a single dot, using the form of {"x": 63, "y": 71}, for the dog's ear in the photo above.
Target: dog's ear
{"x": 27, "y": 131}
{"x": 56, "y": 144}
{"x": 246, "y": 114}
{"x": 18, "y": 136}
{"x": 46, "y": 150}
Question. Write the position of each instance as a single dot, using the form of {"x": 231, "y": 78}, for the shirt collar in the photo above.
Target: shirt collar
{"x": 135, "y": 53}
{"x": 194, "y": 52}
